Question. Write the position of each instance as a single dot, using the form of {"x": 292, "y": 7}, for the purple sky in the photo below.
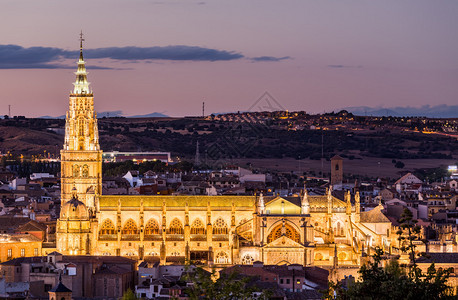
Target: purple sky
{"x": 315, "y": 55}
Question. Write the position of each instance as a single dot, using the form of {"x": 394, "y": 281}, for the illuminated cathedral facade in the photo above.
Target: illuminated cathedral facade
{"x": 215, "y": 230}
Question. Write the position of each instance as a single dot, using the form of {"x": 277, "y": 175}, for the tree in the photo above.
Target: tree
{"x": 129, "y": 295}
{"x": 394, "y": 281}
{"x": 226, "y": 287}
{"x": 399, "y": 164}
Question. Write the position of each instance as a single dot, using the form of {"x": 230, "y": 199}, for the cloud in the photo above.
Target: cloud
{"x": 179, "y": 52}
{"x": 18, "y": 57}
{"x": 343, "y": 66}
{"x": 269, "y": 58}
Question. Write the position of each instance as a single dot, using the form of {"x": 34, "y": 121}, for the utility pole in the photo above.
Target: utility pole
{"x": 203, "y": 109}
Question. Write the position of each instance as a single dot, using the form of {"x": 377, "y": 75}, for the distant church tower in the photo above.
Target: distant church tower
{"x": 336, "y": 169}
{"x": 81, "y": 169}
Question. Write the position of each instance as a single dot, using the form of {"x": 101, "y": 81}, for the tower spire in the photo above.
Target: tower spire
{"x": 81, "y": 41}
{"x": 81, "y": 84}
{"x": 305, "y": 205}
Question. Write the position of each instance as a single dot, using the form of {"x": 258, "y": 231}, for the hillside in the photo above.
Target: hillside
{"x": 266, "y": 137}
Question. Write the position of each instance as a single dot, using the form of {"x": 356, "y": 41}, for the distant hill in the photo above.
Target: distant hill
{"x": 112, "y": 114}
{"x": 151, "y": 115}
{"x": 438, "y": 111}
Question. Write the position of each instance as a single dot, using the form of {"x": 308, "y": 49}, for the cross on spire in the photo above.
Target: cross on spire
{"x": 81, "y": 40}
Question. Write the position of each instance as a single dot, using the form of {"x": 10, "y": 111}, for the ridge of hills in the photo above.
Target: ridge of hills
{"x": 263, "y": 135}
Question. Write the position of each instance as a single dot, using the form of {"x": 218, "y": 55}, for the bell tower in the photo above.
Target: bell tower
{"x": 81, "y": 157}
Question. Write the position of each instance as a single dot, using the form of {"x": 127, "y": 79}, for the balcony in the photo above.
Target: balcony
{"x": 220, "y": 237}
{"x": 153, "y": 237}
{"x": 174, "y": 237}
{"x": 108, "y": 237}
{"x": 198, "y": 237}
{"x": 130, "y": 237}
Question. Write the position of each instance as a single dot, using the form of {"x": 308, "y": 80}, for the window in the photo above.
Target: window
{"x": 220, "y": 227}
{"x": 339, "y": 230}
{"x": 290, "y": 233}
{"x": 10, "y": 253}
{"x": 35, "y": 252}
{"x": 247, "y": 260}
{"x": 85, "y": 171}
{"x": 107, "y": 227}
{"x": 198, "y": 227}
{"x": 76, "y": 171}
{"x": 22, "y": 252}
{"x": 152, "y": 227}
{"x": 222, "y": 258}
{"x": 281, "y": 281}
{"x": 130, "y": 227}
{"x": 287, "y": 281}
{"x": 175, "y": 227}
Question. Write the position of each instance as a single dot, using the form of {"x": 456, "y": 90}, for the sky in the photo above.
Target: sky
{"x": 170, "y": 56}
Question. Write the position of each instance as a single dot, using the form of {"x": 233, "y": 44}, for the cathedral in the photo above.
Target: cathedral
{"x": 214, "y": 230}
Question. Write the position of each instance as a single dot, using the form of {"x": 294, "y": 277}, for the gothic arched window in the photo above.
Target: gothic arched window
{"x": 221, "y": 258}
{"x": 76, "y": 171}
{"x": 198, "y": 227}
{"x": 290, "y": 233}
{"x": 85, "y": 171}
{"x": 339, "y": 230}
{"x": 152, "y": 227}
{"x": 107, "y": 227}
{"x": 130, "y": 227}
{"x": 176, "y": 227}
{"x": 247, "y": 259}
{"x": 220, "y": 227}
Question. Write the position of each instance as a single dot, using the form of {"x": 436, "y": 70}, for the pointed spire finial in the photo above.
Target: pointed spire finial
{"x": 81, "y": 40}
{"x": 305, "y": 205}
{"x": 261, "y": 203}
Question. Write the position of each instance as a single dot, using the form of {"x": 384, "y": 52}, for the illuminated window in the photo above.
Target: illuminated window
{"x": 290, "y": 233}
{"x": 176, "y": 227}
{"x": 339, "y": 230}
{"x": 222, "y": 258}
{"x": 152, "y": 227}
{"x": 130, "y": 227}
{"x": 220, "y": 227}
{"x": 107, "y": 227}
{"x": 247, "y": 260}
{"x": 198, "y": 227}
{"x": 10, "y": 253}
{"x": 76, "y": 171}
{"x": 22, "y": 252}
{"x": 85, "y": 171}
{"x": 35, "y": 252}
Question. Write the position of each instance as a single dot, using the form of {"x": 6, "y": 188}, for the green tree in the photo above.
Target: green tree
{"x": 227, "y": 287}
{"x": 129, "y": 295}
{"x": 394, "y": 281}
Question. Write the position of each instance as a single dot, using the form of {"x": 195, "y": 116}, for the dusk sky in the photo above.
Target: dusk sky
{"x": 169, "y": 56}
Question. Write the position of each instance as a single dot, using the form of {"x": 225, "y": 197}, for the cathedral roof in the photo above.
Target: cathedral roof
{"x": 74, "y": 209}
{"x": 176, "y": 201}
{"x": 374, "y": 216}
{"x": 60, "y": 288}
{"x": 315, "y": 201}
